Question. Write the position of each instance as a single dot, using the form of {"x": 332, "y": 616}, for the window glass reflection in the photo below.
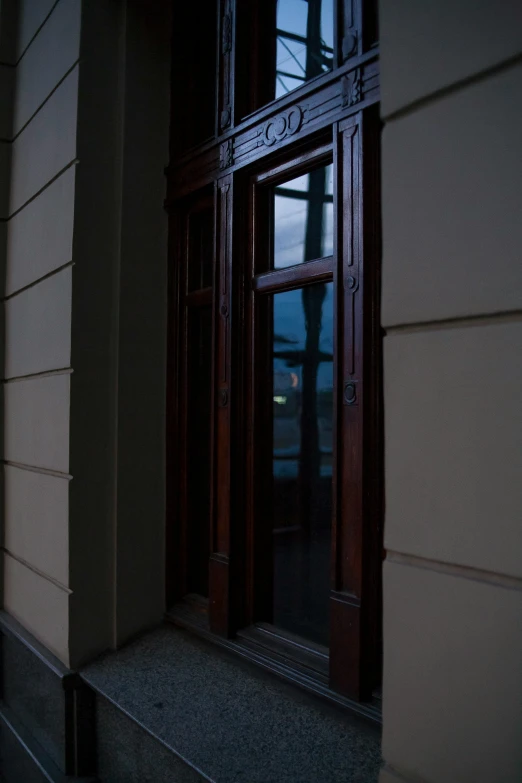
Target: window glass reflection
{"x": 304, "y": 42}
{"x": 302, "y": 459}
{"x": 303, "y": 218}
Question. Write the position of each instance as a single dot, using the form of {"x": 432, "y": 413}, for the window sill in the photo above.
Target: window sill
{"x": 306, "y": 672}
{"x": 229, "y": 720}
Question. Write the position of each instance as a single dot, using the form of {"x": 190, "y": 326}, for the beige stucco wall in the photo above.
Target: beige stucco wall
{"x": 41, "y": 52}
{"x": 84, "y": 114}
{"x": 452, "y": 311}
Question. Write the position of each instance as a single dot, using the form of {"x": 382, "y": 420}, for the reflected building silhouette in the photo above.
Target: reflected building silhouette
{"x": 304, "y": 48}
{"x": 302, "y": 461}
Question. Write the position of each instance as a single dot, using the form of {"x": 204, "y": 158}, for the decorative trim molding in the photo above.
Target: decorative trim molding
{"x": 350, "y": 40}
{"x": 349, "y": 45}
{"x": 351, "y": 88}
{"x": 334, "y": 96}
{"x": 283, "y": 125}
{"x": 226, "y": 154}
{"x": 226, "y": 39}
{"x": 225, "y": 118}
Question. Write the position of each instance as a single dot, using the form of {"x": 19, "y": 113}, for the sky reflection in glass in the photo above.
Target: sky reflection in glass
{"x": 304, "y": 47}
{"x": 303, "y": 231}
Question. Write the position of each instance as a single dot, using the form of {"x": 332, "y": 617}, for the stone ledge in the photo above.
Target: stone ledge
{"x": 51, "y": 702}
{"x": 228, "y": 721}
{"x": 22, "y": 759}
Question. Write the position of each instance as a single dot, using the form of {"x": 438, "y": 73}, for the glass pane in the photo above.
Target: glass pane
{"x": 304, "y": 47}
{"x": 198, "y": 447}
{"x": 201, "y": 240}
{"x": 302, "y": 459}
{"x": 303, "y": 218}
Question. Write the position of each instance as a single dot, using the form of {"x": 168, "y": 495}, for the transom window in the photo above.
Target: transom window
{"x": 274, "y": 421}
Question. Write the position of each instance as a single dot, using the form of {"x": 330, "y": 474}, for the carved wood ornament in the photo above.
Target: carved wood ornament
{"x": 283, "y": 125}
{"x": 226, "y": 154}
{"x": 351, "y": 88}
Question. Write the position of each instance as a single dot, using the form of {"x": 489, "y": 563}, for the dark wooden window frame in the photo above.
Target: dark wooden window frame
{"x": 333, "y": 117}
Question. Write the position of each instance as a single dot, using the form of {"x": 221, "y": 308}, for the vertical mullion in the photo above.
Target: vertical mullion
{"x": 184, "y": 441}
{"x": 337, "y": 347}
{"x": 219, "y": 569}
{"x": 338, "y": 31}
{"x": 250, "y": 388}
{"x": 259, "y": 411}
{"x": 348, "y": 653}
{"x": 232, "y": 61}
{"x": 226, "y": 69}
{"x": 174, "y": 543}
{"x": 216, "y": 275}
{"x": 373, "y": 443}
{"x": 218, "y": 63}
